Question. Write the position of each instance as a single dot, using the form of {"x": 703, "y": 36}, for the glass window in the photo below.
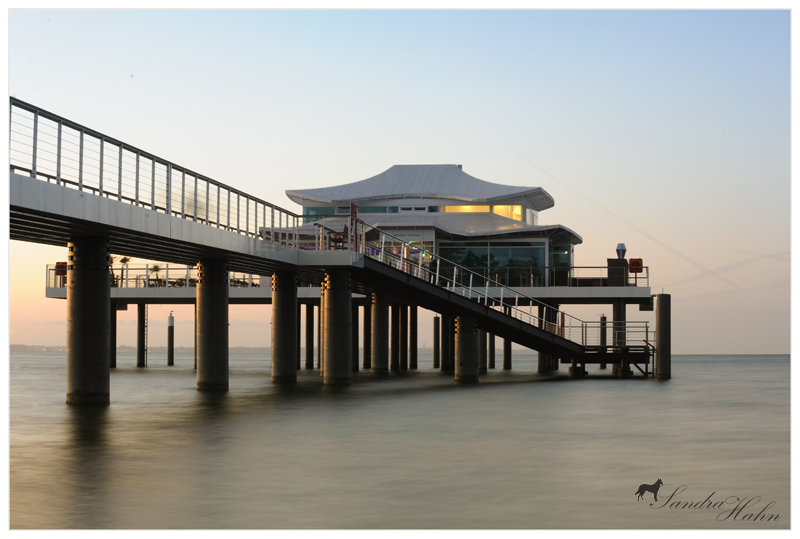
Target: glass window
{"x": 464, "y": 209}
{"x": 511, "y": 212}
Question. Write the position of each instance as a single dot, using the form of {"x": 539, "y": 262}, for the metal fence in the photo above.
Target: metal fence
{"x": 50, "y": 148}
{"x": 157, "y": 276}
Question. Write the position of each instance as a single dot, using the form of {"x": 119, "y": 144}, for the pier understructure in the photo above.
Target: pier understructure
{"x": 74, "y": 187}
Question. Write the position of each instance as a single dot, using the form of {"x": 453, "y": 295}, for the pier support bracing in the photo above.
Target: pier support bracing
{"x": 466, "y": 360}
{"x": 112, "y": 335}
{"x": 88, "y": 322}
{"x": 309, "y": 336}
{"x": 284, "y": 327}
{"x": 380, "y": 334}
{"x": 491, "y": 350}
{"x": 412, "y": 337}
{"x": 367, "y": 338}
{"x": 141, "y": 335}
{"x": 212, "y": 325}
{"x": 337, "y": 333}
{"x": 663, "y": 336}
{"x": 481, "y": 351}
{"x": 395, "y": 336}
{"x": 436, "y": 350}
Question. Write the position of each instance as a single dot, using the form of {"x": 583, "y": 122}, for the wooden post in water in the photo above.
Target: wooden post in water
{"x": 412, "y": 337}
{"x": 436, "y": 350}
{"x": 664, "y": 337}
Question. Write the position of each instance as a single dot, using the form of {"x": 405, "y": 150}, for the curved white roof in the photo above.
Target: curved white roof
{"x": 439, "y": 182}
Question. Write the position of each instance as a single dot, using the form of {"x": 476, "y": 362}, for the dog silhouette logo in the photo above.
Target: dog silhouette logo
{"x": 649, "y": 488}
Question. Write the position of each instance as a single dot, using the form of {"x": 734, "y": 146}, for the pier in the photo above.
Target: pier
{"x": 72, "y": 186}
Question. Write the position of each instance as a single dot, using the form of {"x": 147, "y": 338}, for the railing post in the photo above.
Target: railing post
{"x": 119, "y": 175}
{"x": 126, "y": 276}
{"x": 80, "y": 163}
{"x": 136, "y": 183}
{"x": 153, "y": 186}
{"x": 186, "y": 284}
{"x": 58, "y": 155}
{"x": 183, "y": 194}
{"x": 166, "y": 275}
{"x": 147, "y": 276}
{"x": 100, "y": 176}
{"x": 470, "y": 285}
{"x": 35, "y": 132}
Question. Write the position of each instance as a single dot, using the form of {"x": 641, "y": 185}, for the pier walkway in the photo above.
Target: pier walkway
{"x": 73, "y": 186}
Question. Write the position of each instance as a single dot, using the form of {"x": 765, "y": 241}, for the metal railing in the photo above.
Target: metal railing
{"x": 157, "y": 276}
{"x": 571, "y": 276}
{"x": 50, "y": 148}
{"x": 379, "y": 245}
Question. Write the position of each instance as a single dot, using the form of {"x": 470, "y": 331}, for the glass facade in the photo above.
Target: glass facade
{"x": 511, "y": 212}
{"x": 519, "y": 263}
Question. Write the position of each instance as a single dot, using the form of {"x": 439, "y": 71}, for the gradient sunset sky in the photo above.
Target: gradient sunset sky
{"x": 666, "y": 130}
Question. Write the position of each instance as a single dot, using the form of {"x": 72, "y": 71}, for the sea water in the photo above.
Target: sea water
{"x": 411, "y": 450}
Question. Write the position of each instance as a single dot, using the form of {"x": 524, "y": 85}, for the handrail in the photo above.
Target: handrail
{"x": 50, "y": 147}
{"x": 467, "y": 283}
{"x": 166, "y": 276}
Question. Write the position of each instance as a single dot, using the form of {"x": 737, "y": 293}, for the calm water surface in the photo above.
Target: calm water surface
{"x": 415, "y": 450}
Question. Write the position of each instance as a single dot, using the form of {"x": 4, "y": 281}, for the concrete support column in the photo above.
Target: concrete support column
{"x": 548, "y": 320}
{"x": 481, "y": 351}
{"x": 446, "y": 344}
{"x": 354, "y": 337}
{"x": 619, "y": 337}
{"x": 284, "y": 327}
{"x": 664, "y": 336}
{"x": 297, "y": 336}
{"x": 88, "y": 320}
{"x": 141, "y": 335}
{"x": 309, "y": 336}
{"x": 491, "y": 350}
{"x": 320, "y": 327}
{"x": 395, "y": 336}
{"x": 367, "y": 339}
{"x": 412, "y": 337}
{"x": 507, "y": 346}
{"x": 112, "y": 335}
{"x": 195, "y": 336}
{"x": 404, "y": 337}
{"x": 337, "y": 333}
{"x": 603, "y": 337}
{"x": 170, "y": 340}
{"x": 451, "y": 362}
{"x": 466, "y": 360}
{"x": 436, "y": 349}
{"x": 380, "y": 334}
{"x": 212, "y": 325}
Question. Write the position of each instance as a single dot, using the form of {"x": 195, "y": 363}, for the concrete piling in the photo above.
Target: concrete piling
{"x": 466, "y": 350}
{"x": 354, "y": 337}
{"x": 404, "y": 337}
{"x": 603, "y": 337}
{"x": 380, "y": 334}
{"x": 481, "y": 351}
{"x": 170, "y": 340}
{"x": 88, "y": 322}
{"x": 309, "y": 336}
{"x": 436, "y": 349}
{"x": 395, "y": 338}
{"x": 445, "y": 360}
{"x": 491, "y": 350}
{"x": 284, "y": 327}
{"x": 337, "y": 332}
{"x": 212, "y": 325}
{"x": 112, "y": 335}
{"x": 141, "y": 335}
{"x": 367, "y": 338}
{"x": 412, "y": 337}
{"x": 663, "y": 336}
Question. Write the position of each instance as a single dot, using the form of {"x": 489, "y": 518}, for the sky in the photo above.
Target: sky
{"x": 668, "y": 131}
